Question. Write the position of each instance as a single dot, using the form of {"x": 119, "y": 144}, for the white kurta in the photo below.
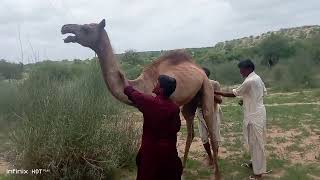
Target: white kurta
{"x": 217, "y": 116}
{"x": 252, "y": 91}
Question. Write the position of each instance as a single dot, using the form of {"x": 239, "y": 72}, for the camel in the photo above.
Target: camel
{"x": 193, "y": 86}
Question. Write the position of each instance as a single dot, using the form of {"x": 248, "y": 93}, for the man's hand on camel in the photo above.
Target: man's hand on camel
{"x": 126, "y": 83}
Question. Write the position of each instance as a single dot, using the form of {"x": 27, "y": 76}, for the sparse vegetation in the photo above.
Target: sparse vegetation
{"x": 59, "y": 115}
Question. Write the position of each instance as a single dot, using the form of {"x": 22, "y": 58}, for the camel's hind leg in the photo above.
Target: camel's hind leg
{"x": 207, "y": 102}
{"x": 188, "y": 112}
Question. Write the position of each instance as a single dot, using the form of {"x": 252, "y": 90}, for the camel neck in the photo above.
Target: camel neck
{"x": 112, "y": 75}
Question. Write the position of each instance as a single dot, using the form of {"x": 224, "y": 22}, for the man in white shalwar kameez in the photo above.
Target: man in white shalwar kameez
{"x": 252, "y": 91}
{"x": 203, "y": 129}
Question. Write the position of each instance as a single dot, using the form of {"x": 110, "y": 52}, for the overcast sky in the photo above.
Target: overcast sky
{"x": 142, "y": 24}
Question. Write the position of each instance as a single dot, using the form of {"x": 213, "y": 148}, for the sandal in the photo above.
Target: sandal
{"x": 247, "y": 165}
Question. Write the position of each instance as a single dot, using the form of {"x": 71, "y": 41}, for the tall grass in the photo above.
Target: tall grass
{"x": 8, "y": 101}
{"x": 71, "y": 126}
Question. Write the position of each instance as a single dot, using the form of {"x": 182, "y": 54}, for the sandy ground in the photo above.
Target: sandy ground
{"x": 287, "y": 93}
{"x": 282, "y": 104}
{"x": 311, "y": 144}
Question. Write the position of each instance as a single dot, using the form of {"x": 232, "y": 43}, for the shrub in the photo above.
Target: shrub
{"x": 74, "y": 128}
{"x": 226, "y": 73}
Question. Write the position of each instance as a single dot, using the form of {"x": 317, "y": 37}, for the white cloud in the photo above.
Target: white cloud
{"x": 143, "y": 24}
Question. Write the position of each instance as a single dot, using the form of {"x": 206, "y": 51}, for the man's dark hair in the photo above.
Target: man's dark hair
{"x": 206, "y": 70}
{"x": 168, "y": 84}
{"x": 247, "y": 63}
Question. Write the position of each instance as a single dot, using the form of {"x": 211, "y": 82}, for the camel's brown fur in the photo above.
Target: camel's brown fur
{"x": 192, "y": 83}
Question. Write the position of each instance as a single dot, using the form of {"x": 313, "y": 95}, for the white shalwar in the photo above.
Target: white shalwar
{"x": 203, "y": 130}
{"x": 217, "y": 116}
{"x": 252, "y": 91}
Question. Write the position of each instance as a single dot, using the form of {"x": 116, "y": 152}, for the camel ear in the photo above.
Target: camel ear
{"x": 102, "y": 24}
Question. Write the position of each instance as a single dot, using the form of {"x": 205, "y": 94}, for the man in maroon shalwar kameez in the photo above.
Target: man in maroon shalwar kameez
{"x": 157, "y": 158}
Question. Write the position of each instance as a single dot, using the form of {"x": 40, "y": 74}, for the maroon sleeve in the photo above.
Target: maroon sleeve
{"x": 139, "y": 99}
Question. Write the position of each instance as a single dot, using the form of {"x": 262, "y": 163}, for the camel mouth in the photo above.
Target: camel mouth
{"x": 70, "y": 39}
{"x": 67, "y": 29}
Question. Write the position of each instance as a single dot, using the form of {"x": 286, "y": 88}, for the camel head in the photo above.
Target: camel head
{"x": 87, "y": 35}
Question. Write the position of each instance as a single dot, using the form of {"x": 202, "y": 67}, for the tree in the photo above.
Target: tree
{"x": 312, "y": 46}
{"x": 273, "y": 48}
{"x": 132, "y": 57}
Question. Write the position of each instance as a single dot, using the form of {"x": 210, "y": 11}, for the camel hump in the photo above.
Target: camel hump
{"x": 176, "y": 57}
{"x": 171, "y": 58}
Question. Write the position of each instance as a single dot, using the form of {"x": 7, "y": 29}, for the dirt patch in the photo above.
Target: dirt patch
{"x": 183, "y": 121}
{"x": 306, "y": 151}
{"x": 278, "y": 132}
{"x": 288, "y": 93}
{"x": 4, "y": 165}
{"x": 197, "y": 151}
{"x": 293, "y": 104}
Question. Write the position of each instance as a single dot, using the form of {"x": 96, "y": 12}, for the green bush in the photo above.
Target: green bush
{"x": 74, "y": 128}
{"x": 132, "y": 71}
{"x": 131, "y": 57}
{"x": 301, "y": 72}
{"x": 226, "y": 73}
{"x": 295, "y": 73}
{"x": 57, "y": 71}
{"x": 10, "y": 70}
